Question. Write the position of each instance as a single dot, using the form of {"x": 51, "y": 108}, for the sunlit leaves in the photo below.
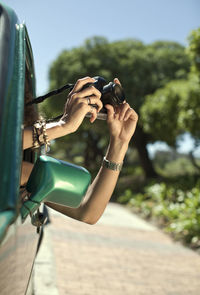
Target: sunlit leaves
{"x": 194, "y": 50}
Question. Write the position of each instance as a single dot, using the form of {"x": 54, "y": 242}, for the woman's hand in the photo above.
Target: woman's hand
{"x": 80, "y": 102}
{"x": 121, "y": 121}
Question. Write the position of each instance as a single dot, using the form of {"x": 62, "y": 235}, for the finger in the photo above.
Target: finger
{"x": 131, "y": 114}
{"x": 117, "y": 112}
{"x": 110, "y": 112}
{"x": 117, "y": 109}
{"x": 81, "y": 82}
{"x": 93, "y": 112}
{"x": 89, "y": 91}
{"x": 116, "y": 80}
{"x": 123, "y": 108}
{"x": 92, "y": 100}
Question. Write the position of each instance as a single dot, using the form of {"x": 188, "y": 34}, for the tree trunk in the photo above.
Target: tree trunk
{"x": 140, "y": 142}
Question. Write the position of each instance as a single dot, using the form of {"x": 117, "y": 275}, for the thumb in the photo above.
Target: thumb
{"x": 116, "y": 80}
{"x": 110, "y": 112}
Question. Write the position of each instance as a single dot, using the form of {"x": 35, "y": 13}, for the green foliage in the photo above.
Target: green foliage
{"x": 159, "y": 113}
{"x": 175, "y": 209}
{"x": 174, "y": 109}
{"x": 141, "y": 69}
{"x": 194, "y": 50}
{"x": 189, "y": 108}
{"x": 171, "y": 164}
{"x": 180, "y": 166}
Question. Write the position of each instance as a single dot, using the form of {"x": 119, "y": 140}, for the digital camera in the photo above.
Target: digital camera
{"x": 111, "y": 93}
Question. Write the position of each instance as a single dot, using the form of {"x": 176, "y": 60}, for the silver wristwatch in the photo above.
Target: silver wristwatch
{"x": 112, "y": 165}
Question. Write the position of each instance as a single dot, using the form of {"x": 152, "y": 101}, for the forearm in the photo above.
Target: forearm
{"x": 100, "y": 191}
{"x": 103, "y": 185}
{"x": 54, "y": 130}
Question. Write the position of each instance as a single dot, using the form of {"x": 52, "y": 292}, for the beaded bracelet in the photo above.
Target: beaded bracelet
{"x": 40, "y": 136}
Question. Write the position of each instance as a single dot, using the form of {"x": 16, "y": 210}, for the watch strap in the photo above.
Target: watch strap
{"x": 112, "y": 165}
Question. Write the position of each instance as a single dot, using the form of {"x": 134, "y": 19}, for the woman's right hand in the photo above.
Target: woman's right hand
{"x": 78, "y": 104}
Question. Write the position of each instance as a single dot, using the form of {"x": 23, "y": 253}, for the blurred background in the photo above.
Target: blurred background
{"x": 153, "y": 47}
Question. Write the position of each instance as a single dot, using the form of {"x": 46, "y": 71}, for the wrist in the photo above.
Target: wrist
{"x": 65, "y": 127}
{"x": 116, "y": 150}
{"x": 57, "y": 129}
{"x": 112, "y": 165}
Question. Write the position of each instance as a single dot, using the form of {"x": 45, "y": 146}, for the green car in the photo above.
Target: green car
{"x": 52, "y": 180}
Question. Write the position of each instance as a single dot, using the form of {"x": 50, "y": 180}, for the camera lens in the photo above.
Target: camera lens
{"x": 113, "y": 94}
{"x": 118, "y": 93}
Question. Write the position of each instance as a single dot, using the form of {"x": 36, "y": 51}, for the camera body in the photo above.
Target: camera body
{"x": 111, "y": 93}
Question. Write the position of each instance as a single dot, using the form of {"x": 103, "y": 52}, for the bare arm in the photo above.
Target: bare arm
{"x": 122, "y": 124}
{"x": 75, "y": 110}
{"x": 54, "y": 130}
{"x": 99, "y": 192}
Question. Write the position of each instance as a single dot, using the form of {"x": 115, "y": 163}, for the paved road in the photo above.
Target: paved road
{"x": 121, "y": 255}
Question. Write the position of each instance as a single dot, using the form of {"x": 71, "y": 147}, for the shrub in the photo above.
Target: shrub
{"x": 176, "y": 210}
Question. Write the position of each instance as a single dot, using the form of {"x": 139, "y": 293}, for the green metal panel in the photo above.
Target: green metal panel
{"x": 6, "y": 218}
{"x": 30, "y": 63}
{"x": 55, "y": 181}
{"x": 12, "y": 70}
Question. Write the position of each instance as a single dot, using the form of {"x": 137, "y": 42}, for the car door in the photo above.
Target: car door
{"x": 18, "y": 238}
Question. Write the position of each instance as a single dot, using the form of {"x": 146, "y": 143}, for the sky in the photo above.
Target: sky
{"x": 55, "y": 25}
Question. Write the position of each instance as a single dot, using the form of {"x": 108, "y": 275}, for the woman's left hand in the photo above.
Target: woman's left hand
{"x": 121, "y": 121}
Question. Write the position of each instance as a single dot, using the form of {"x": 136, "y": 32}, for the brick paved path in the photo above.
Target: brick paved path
{"x": 121, "y": 255}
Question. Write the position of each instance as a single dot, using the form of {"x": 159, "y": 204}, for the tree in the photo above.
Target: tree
{"x": 174, "y": 109}
{"x": 193, "y": 51}
{"x": 142, "y": 69}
